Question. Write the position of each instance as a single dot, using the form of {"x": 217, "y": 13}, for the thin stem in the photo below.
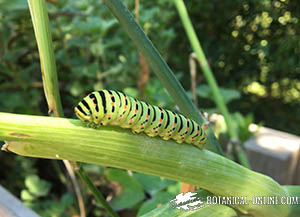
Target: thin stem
{"x": 193, "y": 73}
{"x": 204, "y": 64}
{"x": 209, "y": 77}
{"x": 41, "y": 26}
{"x": 70, "y": 170}
{"x": 97, "y": 194}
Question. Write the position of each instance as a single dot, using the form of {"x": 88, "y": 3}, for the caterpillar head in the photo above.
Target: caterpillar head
{"x": 83, "y": 115}
{"x": 90, "y": 110}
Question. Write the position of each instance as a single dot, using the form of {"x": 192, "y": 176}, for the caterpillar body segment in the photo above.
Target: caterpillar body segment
{"x": 108, "y": 107}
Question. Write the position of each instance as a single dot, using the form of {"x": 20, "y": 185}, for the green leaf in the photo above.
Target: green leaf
{"x": 131, "y": 91}
{"x": 175, "y": 189}
{"x": 94, "y": 24}
{"x": 25, "y": 195}
{"x": 50, "y": 208}
{"x": 37, "y": 186}
{"x": 227, "y": 94}
{"x": 76, "y": 89}
{"x": 130, "y": 191}
{"x": 13, "y": 5}
{"x": 80, "y": 42}
{"x": 91, "y": 70}
{"x": 97, "y": 48}
{"x": 67, "y": 200}
{"x": 158, "y": 199}
{"x": 204, "y": 91}
{"x": 152, "y": 184}
{"x": 14, "y": 55}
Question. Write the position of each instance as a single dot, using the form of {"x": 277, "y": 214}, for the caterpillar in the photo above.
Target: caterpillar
{"x": 115, "y": 108}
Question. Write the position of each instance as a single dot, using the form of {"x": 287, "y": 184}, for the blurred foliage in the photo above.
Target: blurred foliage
{"x": 204, "y": 91}
{"x": 128, "y": 190}
{"x": 253, "y": 48}
{"x": 37, "y": 188}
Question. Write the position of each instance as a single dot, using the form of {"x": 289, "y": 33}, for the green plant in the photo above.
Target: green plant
{"x": 87, "y": 68}
{"x": 45, "y": 137}
{"x": 36, "y": 190}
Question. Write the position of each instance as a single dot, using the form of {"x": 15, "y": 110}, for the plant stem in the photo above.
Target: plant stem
{"x": 204, "y": 65}
{"x": 41, "y": 26}
{"x": 97, "y": 194}
{"x": 209, "y": 75}
{"x": 60, "y": 138}
{"x": 154, "y": 59}
{"x": 160, "y": 67}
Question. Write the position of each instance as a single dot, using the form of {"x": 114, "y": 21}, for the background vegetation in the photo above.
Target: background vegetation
{"x": 252, "y": 46}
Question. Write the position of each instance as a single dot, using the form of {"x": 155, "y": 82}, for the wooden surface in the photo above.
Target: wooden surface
{"x": 10, "y": 206}
{"x": 275, "y": 153}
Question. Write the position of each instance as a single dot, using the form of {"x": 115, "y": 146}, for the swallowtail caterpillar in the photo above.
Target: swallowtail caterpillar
{"x": 115, "y": 108}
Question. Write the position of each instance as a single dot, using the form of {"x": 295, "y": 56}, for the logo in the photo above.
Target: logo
{"x": 193, "y": 201}
{"x": 187, "y": 201}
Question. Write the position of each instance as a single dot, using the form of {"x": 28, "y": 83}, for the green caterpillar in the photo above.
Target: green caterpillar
{"x": 115, "y": 108}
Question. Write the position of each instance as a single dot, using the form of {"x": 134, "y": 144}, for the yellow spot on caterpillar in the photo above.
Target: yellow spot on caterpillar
{"x": 112, "y": 103}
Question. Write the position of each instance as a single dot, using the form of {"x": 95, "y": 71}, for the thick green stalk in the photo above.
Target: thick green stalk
{"x": 209, "y": 75}
{"x": 41, "y": 26}
{"x": 160, "y": 67}
{"x": 60, "y": 138}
